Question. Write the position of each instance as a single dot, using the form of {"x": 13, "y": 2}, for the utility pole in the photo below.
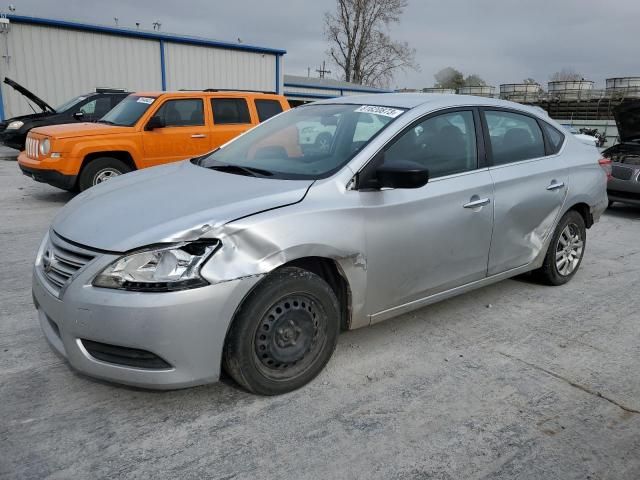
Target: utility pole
{"x": 322, "y": 70}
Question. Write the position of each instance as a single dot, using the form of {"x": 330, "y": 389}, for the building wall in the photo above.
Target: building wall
{"x": 58, "y": 64}
{"x": 60, "y": 60}
{"x": 195, "y": 67}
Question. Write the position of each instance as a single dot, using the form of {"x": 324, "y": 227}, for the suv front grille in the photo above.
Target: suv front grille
{"x": 621, "y": 173}
{"x": 31, "y": 147}
{"x": 61, "y": 260}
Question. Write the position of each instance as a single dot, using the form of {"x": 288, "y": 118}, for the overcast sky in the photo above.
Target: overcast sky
{"x": 503, "y": 41}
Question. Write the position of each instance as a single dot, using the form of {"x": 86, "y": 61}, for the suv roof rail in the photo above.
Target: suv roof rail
{"x": 110, "y": 90}
{"x": 236, "y": 90}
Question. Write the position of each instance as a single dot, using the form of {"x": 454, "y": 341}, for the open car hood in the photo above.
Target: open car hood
{"x": 30, "y": 95}
{"x": 628, "y": 121}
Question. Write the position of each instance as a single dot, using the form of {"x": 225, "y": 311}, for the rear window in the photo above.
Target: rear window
{"x": 267, "y": 109}
{"x": 230, "y": 110}
{"x": 513, "y": 137}
{"x": 554, "y": 137}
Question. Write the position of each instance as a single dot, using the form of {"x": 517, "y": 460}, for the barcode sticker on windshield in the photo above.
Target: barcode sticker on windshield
{"x": 385, "y": 111}
{"x": 146, "y": 100}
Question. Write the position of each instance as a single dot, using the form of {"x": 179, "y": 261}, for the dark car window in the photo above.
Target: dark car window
{"x": 444, "y": 144}
{"x": 95, "y": 108}
{"x": 182, "y": 113}
{"x": 230, "y": 110}
{"x": 267, "y": 109}
{"x": 554, "y": 137}
{"x": 513, "y": 137}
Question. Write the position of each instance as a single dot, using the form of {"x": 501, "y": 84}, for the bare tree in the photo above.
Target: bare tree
{"x": 566, "y": 74}
{"x": 529, "y": 81}
{"x": 360, "y": 45}
{"x": 449, "y": 77}
{"x": 474, "y": 80}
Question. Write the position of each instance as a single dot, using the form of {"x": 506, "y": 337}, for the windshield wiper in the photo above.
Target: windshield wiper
{"x": 107, "y": 122}
{"x": 242, "y": 170}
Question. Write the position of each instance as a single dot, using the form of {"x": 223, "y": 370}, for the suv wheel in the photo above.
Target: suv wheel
{"x": 100, "y": 170}
{"x": 565, "y": 251}
{"x": 284, "y": 333}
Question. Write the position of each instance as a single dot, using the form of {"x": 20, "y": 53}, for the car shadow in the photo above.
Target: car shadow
{"x": 53, "y": 196}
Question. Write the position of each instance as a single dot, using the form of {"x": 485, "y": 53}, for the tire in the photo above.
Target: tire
{"x": 284, "y": 333}
{"x": 100, "y": 170}
{"x": 568, "y": 242}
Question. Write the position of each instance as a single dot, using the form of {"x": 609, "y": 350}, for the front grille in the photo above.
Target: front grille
{"x": 130, "y": 357}
{"x": 621, "y": 173}
{"x": 61, "y": 260}
{"x": 31, "y": 148}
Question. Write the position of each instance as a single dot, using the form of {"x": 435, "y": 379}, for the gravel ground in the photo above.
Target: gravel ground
{"x": 513, "y": 381}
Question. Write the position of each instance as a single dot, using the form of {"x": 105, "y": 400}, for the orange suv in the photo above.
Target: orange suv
{"x": 145, "y": 129}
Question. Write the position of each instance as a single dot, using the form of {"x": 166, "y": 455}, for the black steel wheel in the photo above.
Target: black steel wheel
{"x": 284, "y": 333}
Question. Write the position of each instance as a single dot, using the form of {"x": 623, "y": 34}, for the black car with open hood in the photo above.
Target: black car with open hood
{"x": 83, "y": 108}
{"x": 624, "y": 184}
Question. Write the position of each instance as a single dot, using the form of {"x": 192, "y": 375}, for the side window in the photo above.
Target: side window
{"x": 267, "y": 109}
{"x": 230, "y": 110}
{"x": 556, "y": 138}
{"x": 445, "y": 144}
{"x": 513, "y": 137}
{"x": 182, "y": 113}
{"x": 96, "y": 109}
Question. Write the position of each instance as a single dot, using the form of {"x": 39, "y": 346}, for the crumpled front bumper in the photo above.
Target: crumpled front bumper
{"x": 186, "y": 328}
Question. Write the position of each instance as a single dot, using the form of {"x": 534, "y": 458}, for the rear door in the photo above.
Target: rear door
{"x": 185, "y": 133}
{"x": 531, "y": 183}
{"x": 231, "y": 117}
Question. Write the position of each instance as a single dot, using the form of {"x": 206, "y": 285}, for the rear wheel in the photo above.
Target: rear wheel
{"x": 284, "y": 333}
{"x": 100, "y": 170}
{"x": 565, "y": 251}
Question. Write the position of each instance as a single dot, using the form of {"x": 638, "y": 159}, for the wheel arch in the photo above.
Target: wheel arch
{"x": 585, "y": 212}
{"x": 121, "y": 155}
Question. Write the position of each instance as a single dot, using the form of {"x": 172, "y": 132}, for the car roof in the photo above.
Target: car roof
{"x": 217, "y": 93}
{"x": 437, "y": 100}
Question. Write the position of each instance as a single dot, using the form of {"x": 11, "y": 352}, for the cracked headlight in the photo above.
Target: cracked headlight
{"x": 162, "y": 269}
{"x": 15, "y": 125}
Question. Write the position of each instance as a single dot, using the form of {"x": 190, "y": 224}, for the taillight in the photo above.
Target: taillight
{"x": 605, "y": 163}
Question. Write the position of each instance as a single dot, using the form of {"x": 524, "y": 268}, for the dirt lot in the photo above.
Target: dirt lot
{"x": 515, "y": 380}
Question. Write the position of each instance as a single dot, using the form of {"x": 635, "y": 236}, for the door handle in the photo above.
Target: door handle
{"x": 555, "y": 185}
{"x": 198, "y": 135}
{"x": 480, "y": 202}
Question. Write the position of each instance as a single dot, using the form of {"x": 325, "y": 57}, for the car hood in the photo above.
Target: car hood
{"x": 72, "y": 130}
{"x": 628, "y": 121}
{"x": 170, "y": 203}
{"x": 30, "y": 95}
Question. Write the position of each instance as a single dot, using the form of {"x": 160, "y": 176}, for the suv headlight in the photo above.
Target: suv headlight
{"x": 15, "y": 125}
{"x": 45, "y": 146}
{"x": 162, "y": 269}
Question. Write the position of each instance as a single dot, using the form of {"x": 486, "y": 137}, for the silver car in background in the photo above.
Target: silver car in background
{"x": 254, "y": 257}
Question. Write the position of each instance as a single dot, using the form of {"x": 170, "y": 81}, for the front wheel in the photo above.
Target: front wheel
{"x": 284, "y": 333}
{"x": 100, "y": 170}
{"x": 565, "y": 251}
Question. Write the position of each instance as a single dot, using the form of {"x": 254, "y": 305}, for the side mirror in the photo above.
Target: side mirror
{"x": 154, "y": 122}
{"x": 78, "y": 115}
{"x": 403, "y": 174}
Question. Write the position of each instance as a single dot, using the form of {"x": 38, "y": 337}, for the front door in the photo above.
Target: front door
{"x": 530, "y": 189}
{"x": 184, "y": 133}
{"x": 427, "y": 240}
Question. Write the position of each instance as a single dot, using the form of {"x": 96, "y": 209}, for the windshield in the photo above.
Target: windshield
{"x": 308, "y": 142}
{"x": 128, "y": 111}
{"x": 70, "y": 103}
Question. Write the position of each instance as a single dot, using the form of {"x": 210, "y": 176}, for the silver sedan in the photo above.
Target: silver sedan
{"x": 254, "y": 257}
